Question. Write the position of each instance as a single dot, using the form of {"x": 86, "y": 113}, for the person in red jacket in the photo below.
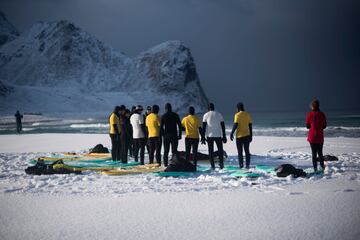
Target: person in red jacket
{"x": 316, "y": 123}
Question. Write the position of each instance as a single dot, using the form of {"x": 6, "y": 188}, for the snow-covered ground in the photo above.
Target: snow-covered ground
{"x": 208, "y": 206}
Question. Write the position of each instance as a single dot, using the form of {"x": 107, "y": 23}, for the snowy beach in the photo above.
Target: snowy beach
{"x": 204, "y": 206}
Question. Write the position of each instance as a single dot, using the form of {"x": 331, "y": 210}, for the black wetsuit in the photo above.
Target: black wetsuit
{"x": 170, "y": 130}
{"x": 243, "y": 142}
{"x": 125, "y": 138}
{"x": 18, "y": 117}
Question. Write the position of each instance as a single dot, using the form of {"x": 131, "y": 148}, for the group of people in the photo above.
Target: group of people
{"x": 132, "y": 131}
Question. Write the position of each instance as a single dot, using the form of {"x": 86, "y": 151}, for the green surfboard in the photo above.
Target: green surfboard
{"x": 265, "y": 168}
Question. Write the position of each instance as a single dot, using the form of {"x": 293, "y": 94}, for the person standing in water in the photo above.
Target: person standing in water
{"x": 243, "y": 128}
{"x": 18, "y": 118}
{"x": 316, "y": 123}
{"x": 192, "y": 126}
{"x": 114, "y": 133}
{"x": 170, "y": 130}
{"x": 154, "y": 140}
{"x": 214, "y": 128}
{"x": 139, "y": 140}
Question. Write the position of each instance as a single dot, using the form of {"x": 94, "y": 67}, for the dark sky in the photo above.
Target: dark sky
{"x": 270, "y": 54}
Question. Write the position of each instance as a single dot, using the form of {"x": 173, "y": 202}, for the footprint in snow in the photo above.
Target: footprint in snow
{"x": 349, "y": 190}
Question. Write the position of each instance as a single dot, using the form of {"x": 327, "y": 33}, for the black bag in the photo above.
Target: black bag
{"x": 179, "y": 164}
{"x": 285, "y": 170}
{"x": 46, "y": 169}
{"x": 99, "y": 149}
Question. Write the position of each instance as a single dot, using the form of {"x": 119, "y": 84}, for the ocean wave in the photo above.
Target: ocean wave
{"x": 90, "y": 125}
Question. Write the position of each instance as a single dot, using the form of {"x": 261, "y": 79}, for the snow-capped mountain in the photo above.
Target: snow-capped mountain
{"x": 58, "y": 67}
{"x": 7, "y": 31}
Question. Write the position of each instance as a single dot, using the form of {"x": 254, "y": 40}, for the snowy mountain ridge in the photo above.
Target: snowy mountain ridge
{"x": 59, "y": 64}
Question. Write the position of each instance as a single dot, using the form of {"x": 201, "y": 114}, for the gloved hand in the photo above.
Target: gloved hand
{"x": 224, "y": 140}
{"x": 232, "y": 137}
{"x": 203, "y": 140}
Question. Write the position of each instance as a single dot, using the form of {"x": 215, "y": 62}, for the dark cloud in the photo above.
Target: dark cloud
{"x": 271, "y": 54}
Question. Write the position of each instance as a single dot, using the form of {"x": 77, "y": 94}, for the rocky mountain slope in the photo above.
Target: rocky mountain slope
{"x": 56, "y": 66}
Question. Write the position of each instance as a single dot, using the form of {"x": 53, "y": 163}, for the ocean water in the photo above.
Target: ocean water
{"x": 292, "y": 124}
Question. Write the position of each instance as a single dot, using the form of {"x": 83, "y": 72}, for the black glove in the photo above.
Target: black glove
{"x": 232, "y": 137}
{"x": 224, "y": 140}
{"x": 203, "y": 140}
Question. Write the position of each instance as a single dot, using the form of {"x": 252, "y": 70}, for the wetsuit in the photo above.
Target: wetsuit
{"x": 214, "y": 127}
{"x": 171, "y": 130}
{"x": 18, "y": 118}
{"x": 125, "y": 138}
{"x": 139, "y": 140}
{"x": 192, "y": 127}
{"x": 243, "y": 128}
{"x": 153, "y": 125}
{"x": 316, "y": 123}
{"x": 114, "y": 133}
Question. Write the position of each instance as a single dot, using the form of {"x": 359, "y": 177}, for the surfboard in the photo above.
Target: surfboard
{"x": 147, "y": 168}
{"x": 244, "y": 173}
{"x": 265, "y": 168}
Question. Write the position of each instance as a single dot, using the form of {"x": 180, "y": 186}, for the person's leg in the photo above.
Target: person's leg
{"x": 167, "y": 141}
{"x": 119, "y": 144}
{"x": 136, "y": 145}
{"x": 187, "y": 148}
{"x": 313, "y": 152}
{"x": 124, "y": 150}
{"x": 174, "y": 146}
{"x": 195, "y": 144}
{"x": 151, "y": 144}
{"x": 158, "y": 149}
{"x": 239, "y": 146}
{"x": 321, "y": 156}
{"x": 220, "y": 148}
{"x": 211, "y": 152}
{"x": 142, "y": 143}
{"x": 113, "y": 147}
{"x": 247, "y": 151}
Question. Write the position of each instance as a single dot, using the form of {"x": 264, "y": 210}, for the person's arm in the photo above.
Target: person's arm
{"x": 233, "y": 131}
{"x": 223, "y": 131}
{"x": 180, "y": 127}
{"x": 251, "y": 131}
{"x": 203, "y": 139}
{"x": 162, "y": 126}
{"x": 308, "y": 121}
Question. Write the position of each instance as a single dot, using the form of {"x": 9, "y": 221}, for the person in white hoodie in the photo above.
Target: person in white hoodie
{"x": 214, "y": 131}
{"x": 139, "y": 133}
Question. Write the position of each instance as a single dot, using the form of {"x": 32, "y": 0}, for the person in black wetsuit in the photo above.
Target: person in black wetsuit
{"x": 129, "y": 137}
{"x": 170, "y": 130}
{"x": 18, "y": 118}
{"x": 125, "y": 134}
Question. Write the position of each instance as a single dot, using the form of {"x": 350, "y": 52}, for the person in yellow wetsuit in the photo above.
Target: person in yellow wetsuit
{"x": 114, "y": 132}
{"x": 154, "y": 140}
{"x": 192, "y": 126}
{"x": 243, "y": 128}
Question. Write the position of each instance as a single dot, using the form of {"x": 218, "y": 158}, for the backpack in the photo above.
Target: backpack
{"x": 285, "y": 170}
{"x": 99, "y": 149}
{"x": 179, "y": 164}
{"x": 46, "y": 169}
